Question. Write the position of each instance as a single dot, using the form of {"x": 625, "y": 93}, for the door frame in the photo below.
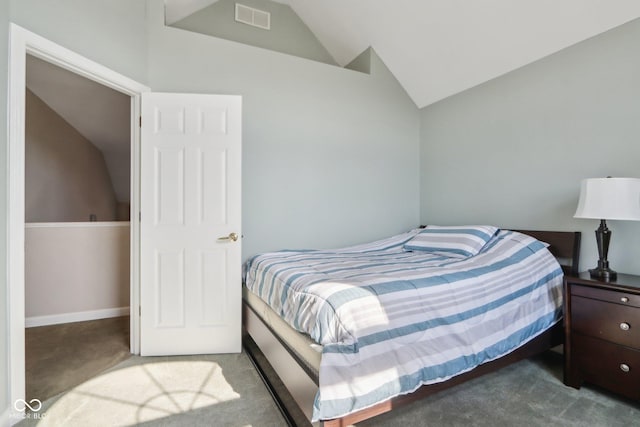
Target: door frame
{"x": 21, "y": 43}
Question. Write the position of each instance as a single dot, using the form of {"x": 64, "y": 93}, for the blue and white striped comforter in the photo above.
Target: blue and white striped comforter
{"x": 390, "y": 320}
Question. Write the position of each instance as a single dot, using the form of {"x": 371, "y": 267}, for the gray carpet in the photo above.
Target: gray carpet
{"x": 208, "y": 390}
{"x": 528, "y": 393}
{"x": 225, "y": 390}
{"x": 59, "y": 357}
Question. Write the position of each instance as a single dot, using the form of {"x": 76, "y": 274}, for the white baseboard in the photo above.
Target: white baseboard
{"x": 79, "y": 316}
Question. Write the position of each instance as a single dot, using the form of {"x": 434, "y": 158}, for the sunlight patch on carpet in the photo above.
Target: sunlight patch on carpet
{"x": 142, "y": 393}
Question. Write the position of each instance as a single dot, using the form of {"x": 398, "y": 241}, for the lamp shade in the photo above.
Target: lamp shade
{"x": 609, "y": 198}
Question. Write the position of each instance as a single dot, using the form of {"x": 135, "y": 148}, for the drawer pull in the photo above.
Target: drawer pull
{"x": 624, "y": 299}
{"x": 624, "y": 367}
{"x": 624, "y": 326}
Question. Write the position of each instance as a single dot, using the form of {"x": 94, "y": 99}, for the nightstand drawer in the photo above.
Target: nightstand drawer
{"x": 612, "y": 366}
{"x": 623, "y": 298}
{"x": 607, "y": 321}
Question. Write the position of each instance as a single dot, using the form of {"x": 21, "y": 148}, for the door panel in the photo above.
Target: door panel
{"x": 212, "y": 186}
{"x": 190, "y": 187}
{"x": 212, "y": 308}
{"x": 169, "y": 186}
{"x": 169, "y": 289}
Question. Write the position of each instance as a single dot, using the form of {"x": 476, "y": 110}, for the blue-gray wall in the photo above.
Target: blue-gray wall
{"x": 110, "y": 32}
{"x": 330, "y": 155}
{"x": 288, "y": 33}
{"x": 512, "y": 151}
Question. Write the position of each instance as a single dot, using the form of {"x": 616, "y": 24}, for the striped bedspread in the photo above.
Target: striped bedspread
{"x": 391, "y": 320}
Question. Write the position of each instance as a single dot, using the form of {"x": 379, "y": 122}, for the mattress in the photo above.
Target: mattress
{"x": 306, "y": 350}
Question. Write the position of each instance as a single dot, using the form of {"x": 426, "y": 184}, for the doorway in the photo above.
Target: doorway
{"x": 77, "y": 230}
{"x": 23, "y": 43}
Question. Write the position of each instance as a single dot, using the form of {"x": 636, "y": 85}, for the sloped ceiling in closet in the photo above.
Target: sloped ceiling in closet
{"x": 100, "y": 114}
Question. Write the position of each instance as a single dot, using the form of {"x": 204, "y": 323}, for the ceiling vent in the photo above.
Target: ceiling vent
{"x": 254, "y": 17}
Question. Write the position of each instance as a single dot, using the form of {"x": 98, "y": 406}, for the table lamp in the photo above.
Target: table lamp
{"x": 603, "y": 199}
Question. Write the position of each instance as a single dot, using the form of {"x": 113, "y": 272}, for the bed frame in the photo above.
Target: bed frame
{"x": 283, "y": 370}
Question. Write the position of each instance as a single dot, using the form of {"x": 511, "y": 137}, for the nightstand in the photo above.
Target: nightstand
{"x": 602, "y": 333}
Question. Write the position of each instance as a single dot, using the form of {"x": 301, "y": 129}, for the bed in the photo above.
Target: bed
{"x": 343, "y": 335}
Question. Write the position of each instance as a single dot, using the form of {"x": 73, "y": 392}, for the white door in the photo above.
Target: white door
{"x": 190, "y": 251}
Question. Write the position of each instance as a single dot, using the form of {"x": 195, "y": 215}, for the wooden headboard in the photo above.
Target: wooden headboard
{"x": 564, "y": 245}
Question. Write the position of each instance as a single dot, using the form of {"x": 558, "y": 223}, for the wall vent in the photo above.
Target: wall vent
{"x": 254, "y": 17}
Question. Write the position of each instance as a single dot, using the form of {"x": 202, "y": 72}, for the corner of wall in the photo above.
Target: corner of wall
{"x": 362, "y": 62}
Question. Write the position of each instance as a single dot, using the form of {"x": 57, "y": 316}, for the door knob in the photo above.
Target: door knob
{"x": 232, "y": 236}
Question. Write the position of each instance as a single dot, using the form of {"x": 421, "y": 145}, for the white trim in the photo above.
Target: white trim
{"x": 21, "y": 43}
{"x": 79, "y": 316}
{"x": 15, "y": 210}
{"x": 134, "y": 232}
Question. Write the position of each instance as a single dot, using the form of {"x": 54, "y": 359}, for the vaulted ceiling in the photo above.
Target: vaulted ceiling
{"x": 437, "y": 48}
